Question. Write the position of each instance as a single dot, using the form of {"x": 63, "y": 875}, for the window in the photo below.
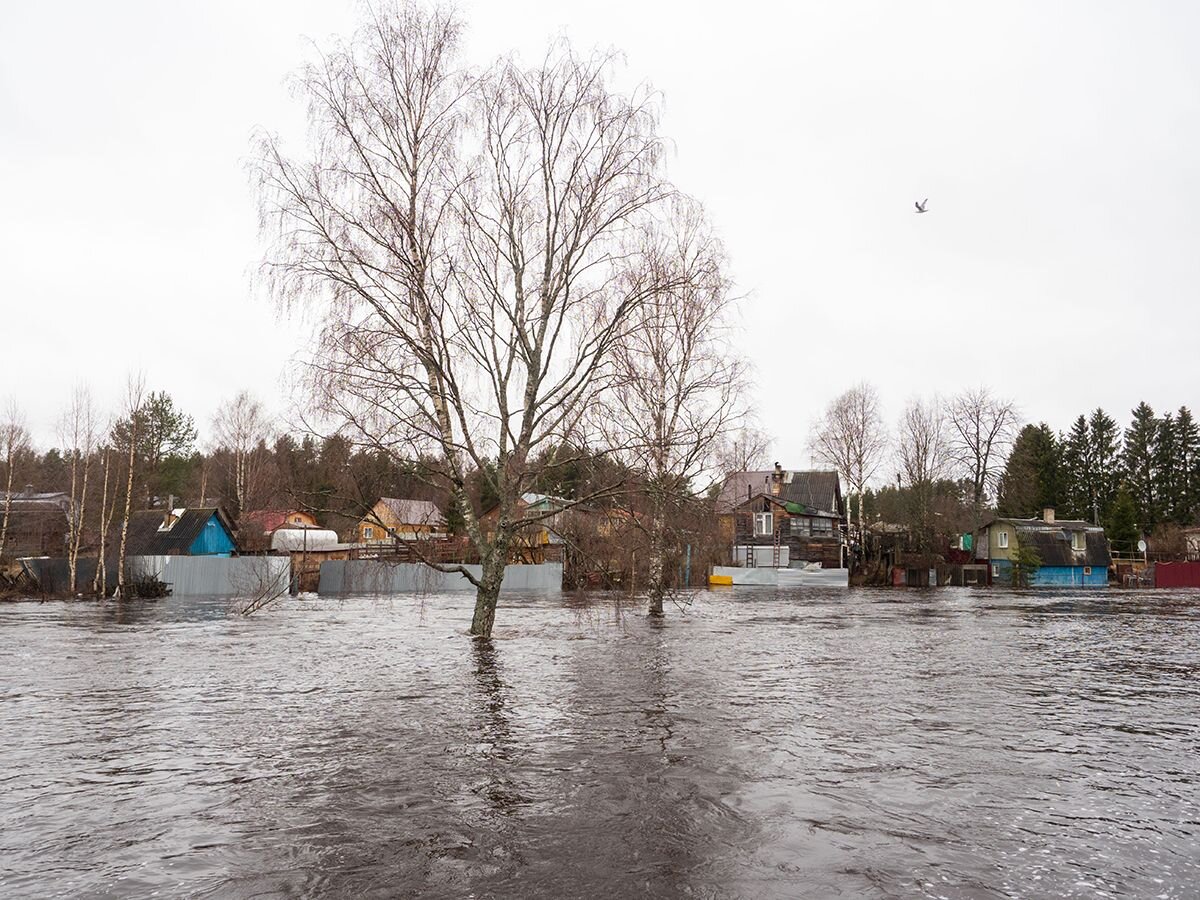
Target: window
{"x": 1078, "y": 540}
{"x": 764, "y": 523}
{"x": 297, "y": 521}
{"x": 1002, "y": 541}
{"x": 799, "y": 527}
{"x": 822, "y": 527}
{"x": 368, "y": 533}
{"x": 995, "y": 571}
{"x": 1087, "y": 570}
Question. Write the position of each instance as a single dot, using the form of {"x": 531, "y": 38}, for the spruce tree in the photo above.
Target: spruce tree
{"x": 1105, "y": 460}
{"x": 1078, "y": 476}
{"x": 1032, "y": 476}
{"x": 1167, "y": 481}
{"x": 1122, "y": 527}
{"x": 1187, "y": 436}
{"x": 1138, "y": 460}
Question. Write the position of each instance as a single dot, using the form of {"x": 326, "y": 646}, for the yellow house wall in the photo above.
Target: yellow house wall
{"x": 995, "y": 551}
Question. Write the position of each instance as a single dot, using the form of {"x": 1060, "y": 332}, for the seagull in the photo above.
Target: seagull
{"x": 921, "y": 206}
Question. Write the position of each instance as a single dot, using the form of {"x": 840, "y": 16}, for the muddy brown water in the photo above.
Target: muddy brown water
{"x": 757, "y": 744}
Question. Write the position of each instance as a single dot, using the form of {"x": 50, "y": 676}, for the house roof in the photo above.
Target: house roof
{"x": 269, "y": 519}
{"x": 413, "y": 512}
{"x": 817, "y": 490}
{"x": 147, "y": 537}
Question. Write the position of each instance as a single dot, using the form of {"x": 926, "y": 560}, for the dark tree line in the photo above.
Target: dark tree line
{"x": 1132, "y": 483}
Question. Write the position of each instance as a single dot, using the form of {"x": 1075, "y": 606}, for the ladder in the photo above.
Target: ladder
{"x": 775, "y": 550}
{"x": 751, "y": 562}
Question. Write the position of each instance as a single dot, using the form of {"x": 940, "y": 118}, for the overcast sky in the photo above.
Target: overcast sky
{"x": 1058, "y": 144}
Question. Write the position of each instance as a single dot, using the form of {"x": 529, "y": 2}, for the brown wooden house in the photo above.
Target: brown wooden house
{"x": 798, "y": 512}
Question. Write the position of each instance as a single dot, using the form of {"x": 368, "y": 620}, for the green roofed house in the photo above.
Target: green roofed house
{"x": 782, "y": 517}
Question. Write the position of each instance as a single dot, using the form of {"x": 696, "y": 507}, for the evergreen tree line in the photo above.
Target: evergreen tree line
{"x": 1133, "y": 483}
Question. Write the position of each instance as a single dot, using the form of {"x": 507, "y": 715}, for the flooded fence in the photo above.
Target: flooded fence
{"x": 360, "y": 576}
{"x": 185, "y": 576}
{"x": 208, "y": 576}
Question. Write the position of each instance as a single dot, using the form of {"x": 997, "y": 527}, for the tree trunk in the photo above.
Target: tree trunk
{"x": 120, "y": 593}
{"x": 100, "y": 581}
{"x": 7, "y": 503}
{"x": 656, "y": 586}
{"x": 77, "y": 526}
{"x": 488, "y": 592}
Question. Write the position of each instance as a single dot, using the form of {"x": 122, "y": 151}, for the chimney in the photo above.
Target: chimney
{"x": 1048, "y": 515}
{"x": 29, "y": 490}
{"x": 169, "y": 512}
{"x": 776, "y": 480}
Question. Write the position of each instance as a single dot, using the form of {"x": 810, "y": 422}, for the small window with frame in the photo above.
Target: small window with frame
{"x": 764, "y": 524}
{"x": 1002, "y": 540}
{"x": 369, "y": 533}
{"x": 1078, "y": 540}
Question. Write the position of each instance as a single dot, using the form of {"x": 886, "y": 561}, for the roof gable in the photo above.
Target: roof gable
{"x": 816, "y": 489}
{"x": 408, "y": 512}
{"x": 148, "y": 537}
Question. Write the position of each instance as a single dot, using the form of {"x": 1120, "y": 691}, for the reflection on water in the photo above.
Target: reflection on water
{"x": 944, "y": 744}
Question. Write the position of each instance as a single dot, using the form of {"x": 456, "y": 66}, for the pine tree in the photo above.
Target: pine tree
{"x": 1138, "y": 460}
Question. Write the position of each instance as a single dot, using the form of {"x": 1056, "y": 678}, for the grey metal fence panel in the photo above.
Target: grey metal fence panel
{"x": 347, "y": 577}
{"x": 206, "y": 576}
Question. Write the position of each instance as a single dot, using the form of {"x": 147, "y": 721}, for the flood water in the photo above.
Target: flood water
{"x": 817, "y": 744}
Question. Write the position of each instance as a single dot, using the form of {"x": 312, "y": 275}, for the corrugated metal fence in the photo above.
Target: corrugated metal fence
{"x": 359, "y": 576}
{"x": 208, "y": 576}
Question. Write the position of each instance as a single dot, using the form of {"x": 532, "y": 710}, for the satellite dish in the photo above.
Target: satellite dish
{"x": 1141, "y": 546}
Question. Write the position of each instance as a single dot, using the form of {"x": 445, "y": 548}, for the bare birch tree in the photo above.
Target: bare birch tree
{"x": 982, "y": 428}
{"x": 14, "y": 439}
{"x": 680, "y": 388}
{"x": 924, "y": 458}
{"x": 241, "y": 427}
{"x": 851, "y": 437}
{"x": 922, "y": 442}
{"x": 77, "y": 431}
{"x": 135, "y": 395}
{"x": 744, "y": 450}
{"x": 107, "y": 508}
{"x": 461, "y": 236}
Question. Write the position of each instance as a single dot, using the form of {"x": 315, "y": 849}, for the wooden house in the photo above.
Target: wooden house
{"x": 205, "y": 531}
{"x": 392, "y": 519}
{"x": 1070, "y": 553}
{"x": 786, "y": 517}
{"x": 538, "y": 542}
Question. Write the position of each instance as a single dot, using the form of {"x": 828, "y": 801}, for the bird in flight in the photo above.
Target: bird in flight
{"x": 921, "y": 206}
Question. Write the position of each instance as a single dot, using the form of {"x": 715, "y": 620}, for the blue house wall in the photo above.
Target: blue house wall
{"x": 214, "y": 540}
{"x": 1053, "y": 576}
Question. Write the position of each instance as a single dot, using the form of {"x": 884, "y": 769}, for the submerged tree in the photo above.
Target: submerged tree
{"x": 78, "y": 434}
{"x": 679, "y": 387}
{"x": 135, "y": 396}
{"x": 461, "y": 236}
